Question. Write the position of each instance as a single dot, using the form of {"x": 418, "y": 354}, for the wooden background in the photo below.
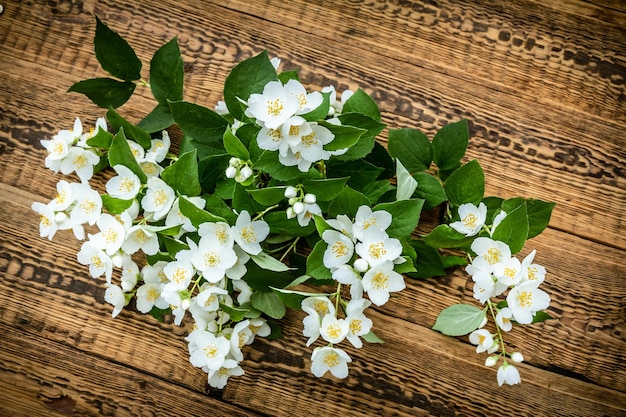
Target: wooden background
{"x": 543, "y": 86}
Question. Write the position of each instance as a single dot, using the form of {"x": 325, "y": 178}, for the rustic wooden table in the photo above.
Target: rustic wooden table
{"x": 543, "y": 85}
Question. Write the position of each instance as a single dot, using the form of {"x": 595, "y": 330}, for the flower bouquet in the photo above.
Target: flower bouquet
{"x": 282, "y": 198}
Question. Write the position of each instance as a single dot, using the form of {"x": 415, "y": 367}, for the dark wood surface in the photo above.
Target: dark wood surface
{"x": 543, "y": 85}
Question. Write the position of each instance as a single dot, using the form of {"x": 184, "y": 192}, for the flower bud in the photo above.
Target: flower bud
{"x": 60, "y": 217}
{"x": 234, "y": 162}
{"x": 231, "y": 172}
{"x": 291, "y": 213}
{"x": 491, "y": 361}
{"x": 290, "y": 192}
{"x": 292, "y": 201}
{"x": 185, "y": 304}
{"x": 310, "y": 198}
{"x": 246, "y": 172}
{"x": 117, "y": 260}
{"x": 483, "y": 323}
{"x": 361, "y": 265}
{"x": 298, "y": 207}
{"x": 517, "y": 357}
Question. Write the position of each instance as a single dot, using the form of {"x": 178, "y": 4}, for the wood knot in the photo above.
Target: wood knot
{"x": 63, "y": 404}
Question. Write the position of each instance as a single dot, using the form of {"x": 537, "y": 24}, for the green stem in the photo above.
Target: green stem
{"x": 493, "y": 315}
{"x": 261, "y": 214}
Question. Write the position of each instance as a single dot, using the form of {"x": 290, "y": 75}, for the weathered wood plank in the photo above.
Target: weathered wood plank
{"x": 81, "y": 384}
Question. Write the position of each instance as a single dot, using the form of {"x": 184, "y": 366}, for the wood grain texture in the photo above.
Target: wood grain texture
{"x": 543, "y": 86}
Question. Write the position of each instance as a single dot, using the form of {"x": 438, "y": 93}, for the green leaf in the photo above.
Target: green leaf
{"x": 268, "y": 303}
{"x": 115, "y": 54}
{"x": 539, "y": 213}
{"x": 182, "y": 175}
{"x": 321, "y": 225}
{"x": 233, "y": 145}
{"x": 281, "y": 225}
{"x": 466, "y": 184}
{"x": 361, "y": 102}
{"x": 325, "y": 189}
{"x": 269, "y": 195}
{"x": 244, "y": 201}
{"x": 450, "y": 261}
{"x": 236, "y": 313}
{"x": 459, "y": 320}
{"x": 347, "y": 202}
{"x": 375, "y": 190}
{"x": 269, "y": 163}
{"x": 131, "y": 131}
{"x": 102, "y": 139}
{"x": 285, "y": 76}
{"x": 320, "y": 112}
{"x": 370, "y": 337}
{"x": 201, "y": 123}
{"x": 428, "y": 261}
{"x": 405, "y": 267}
{"x": 166, "y": 73}
{"x": 406, "y": 184}
{"x": 160, "y": 118}
{"x": 443, "y": 236}
{"x": 315, "y": 262}
{"x": 513, "y": 229}
{"x": 541, "y": 316}
{"x": 430, "y": 189}
{"x": 360, "y": 172}
{"x": 269, "y": 263}
{"x": 449, "y": 144}
{"x": 405, "y": 214}
{"x": 411, "y": 147}
{"x": 372, "y": 126}
{"x": 218, "y": 207}
{"x": 196, "y": 215}
{"x": 379, "y": 157}
{"x": 115, "y": 205}
{"x": 105, "y": 92}
{"x": 247, "y": 77}
{"x": 345, "y": 136}
{"x": 260, "y": 279}
{"x": 120, "y": 154}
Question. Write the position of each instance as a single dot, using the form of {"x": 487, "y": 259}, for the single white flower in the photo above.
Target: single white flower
{"x": 111, "y": 236}
{"x": 311, "y": 145}
{"x": 88, "y": 205}
{"x": 531, "y": 271}
{"x": 249, "y": 234}
{"x": 115, "y": 296}
{"x": 377, "y": 248}
{"x": 484, "y": 286}
{"x": 179, "y": 273}
{"x": 343, "y": 224}
{"x": 482, "y": 339}
{"x": 209, "y": 297}
{"x": 380, "y": 280}
{"x": 334, "y": 330}
{"x": 240, "y": 336}
{"x": 81, "y": 161}
{"x": 271, "y": 139}
{"x": 221, "y": 230}
{"x": 330, "y": 359}
{"x": 292, "y": 132}
{"x": 125, "y": 185}
{"x": 306, "y": 101}
{"x": 489, "y": 253}
{"x": 517, "y": 357}
{"x": 219, "y": 377}
{"x": 508, "y": 374}
{"x": 159, "y": 148}
{"x": 176, "y": 302}
{"x": 320, "y": 305}
{"x": 339, "y": 251}
{"x": 64, "y": 198}
{"x": 141, "y": 237}
{"x": 237, "y": 271}
{"x": 154, "y": 273}
{"x": 503, "y": 319}
{"x": 508, "y": 272}
{"x": 309, "y": 210}
{"x": 358, "y": 323}
{"x": 151, "y": 169}
{"x": 345, "y": 274}
{"x": 158, "y": 199}
{"x": 212, "y": 258}
{"x": 210, "y": 350}
{"x": 137, "y": 150}
{"x": 497, "y": 220}
{"x": 312, "y": 324}
{"x": 472, "y": 219}
{"x": 148, "y": 296}
{"x": 366, "y": 218}
{"x": 525, "y": 300}
{"x": 274, "y": 106}
{"x": 59, "y": 146}
{"x": 130, "y": 273}
{"x": 97, "y": 259}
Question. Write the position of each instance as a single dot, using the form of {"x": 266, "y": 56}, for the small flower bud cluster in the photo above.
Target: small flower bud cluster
{"x": 301, "y": 205}
{"x": 239, "y": 170}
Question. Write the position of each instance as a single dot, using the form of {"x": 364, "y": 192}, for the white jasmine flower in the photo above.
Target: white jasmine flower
{"x": 47, "y": 220}
{"x": 489, "y": 253}
{"x": 159, "y": 148}
{"x": 531, "y": 271}
{"x": 472, "y": 219}
{"x": 517, "y": 357}
{"x": 291, "y": 133}
{"x": 491, "y": 361}
{"x": 58, "y": 147}
{"x": 366, "y": 218}
{"x": 148, "y": 296}
{"x": 508, "y": 374}
{"x": 291, "y": 158}
{"x": 525, "y": 300}
{"x": 158, "y": 199}
{"x": 330, "y": 359}
{"x": 345, "y": 274}
{"x": 271, "y": 139}
{"x": 508, "y": 272}
{"x": 176, "y": 303}
{"x": 306, "y": 101}
{"x": 208, "y": 299}
{"x": 484, "y": 287}
{"x": 334, "y": 330}
{"x": 237, "y": 271}
{"x": 358, "y": 324}
{"x": 111, "y": 236}
{"x": 219, "y": 377}
{"x": 343, "y": 224}
{"x": 380, "y": 280}
{"x": 221, "y": 230}
{"x": 311, "y": 146}
{"x": 137, "y": 150}
{"x": 88, "y": 207}
{"x": 140, "y": 237}
{"x": 151, "y": 169}
{"x": 115, "y": 296}
{"x": 376, "y": 247}
{"x": 221, "y": 108}
{"x": 154, "y": 273}
{"x": 274, "y": 106}
{"x": 245, "y": 291}
{"x": 320, "y": 305}
{"x": 503, "y": 319}
{"x": 497, "y": 220}
{"x": 125, "y": 185}
{"x": 483, "y": 339}
{"x": 307, "y": 214}
{"x": 97, "y": 259}
{"x": 240, "y": 337}
{"x": 81, "y": 161}
{"x": 249, "y": 234}
{"x": 130, "y": 273}
{"x": 64, "y": 197}
{"x": 179, "y": 273}
{"x": 212, "y": 258}
{"x": 311, "y": 327}
{"x": 210, "y": 350}
{"x": 339, "y": 251}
